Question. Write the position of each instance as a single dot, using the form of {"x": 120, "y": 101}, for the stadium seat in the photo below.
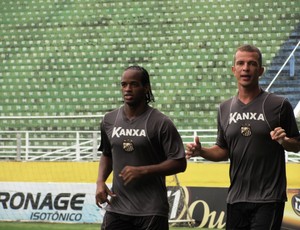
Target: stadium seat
{"x": 60, "y": 59}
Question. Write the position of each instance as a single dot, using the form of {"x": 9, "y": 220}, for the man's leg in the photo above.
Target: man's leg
{"x": 151, "y": 223}
{"x": 114, "y": 221}
{"x": 237, "y": 216}
{"x": 268, "y": 216}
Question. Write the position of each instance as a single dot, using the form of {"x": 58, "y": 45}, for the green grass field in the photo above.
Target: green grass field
{"x": 52, "y": 226}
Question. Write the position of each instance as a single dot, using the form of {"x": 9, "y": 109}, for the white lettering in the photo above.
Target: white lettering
{"x": 119, "y": 131}
{"x": 235, "y": 117}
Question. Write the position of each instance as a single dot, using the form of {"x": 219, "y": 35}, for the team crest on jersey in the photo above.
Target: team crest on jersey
{"x": 128, "y": 145}
{"x": 246, "y": 130}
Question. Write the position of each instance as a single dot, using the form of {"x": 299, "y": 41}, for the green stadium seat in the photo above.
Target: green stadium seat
{"x": 68, "y": 58}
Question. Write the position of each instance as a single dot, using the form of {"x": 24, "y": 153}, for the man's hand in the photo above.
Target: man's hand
{"x": 102, "y": 194}
{"x": 278, "y": 134}
{"x": 130, "y": 173}
{"x": 193, "y": 149}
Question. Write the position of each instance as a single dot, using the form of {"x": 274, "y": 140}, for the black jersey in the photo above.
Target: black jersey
{"x": 149, "y": 139}
{"x": 257, "y": 163}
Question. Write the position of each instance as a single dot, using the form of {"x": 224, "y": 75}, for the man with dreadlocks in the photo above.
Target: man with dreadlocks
{"x": 141, "y": 146}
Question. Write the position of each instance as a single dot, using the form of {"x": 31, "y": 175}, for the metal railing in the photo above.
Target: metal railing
{"x": 79, "y": 145}
{"x": 49, "y": 145}
{"x": 66, "y": 145}
{"x": 291, "y": 56}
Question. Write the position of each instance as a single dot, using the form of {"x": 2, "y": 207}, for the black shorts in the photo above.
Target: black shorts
{"x": 115, "y": 221}
{"x": 258, "y": 216}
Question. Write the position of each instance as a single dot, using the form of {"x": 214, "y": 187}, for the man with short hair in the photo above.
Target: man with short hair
{"x": 254, "y": 130}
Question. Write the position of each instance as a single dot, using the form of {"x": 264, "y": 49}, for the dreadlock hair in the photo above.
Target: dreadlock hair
{"x": 145, "y": 81}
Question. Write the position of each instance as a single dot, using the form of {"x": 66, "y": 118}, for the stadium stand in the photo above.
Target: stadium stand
{"x": 64, "y": 58}
{"x": 288, "y": 84}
